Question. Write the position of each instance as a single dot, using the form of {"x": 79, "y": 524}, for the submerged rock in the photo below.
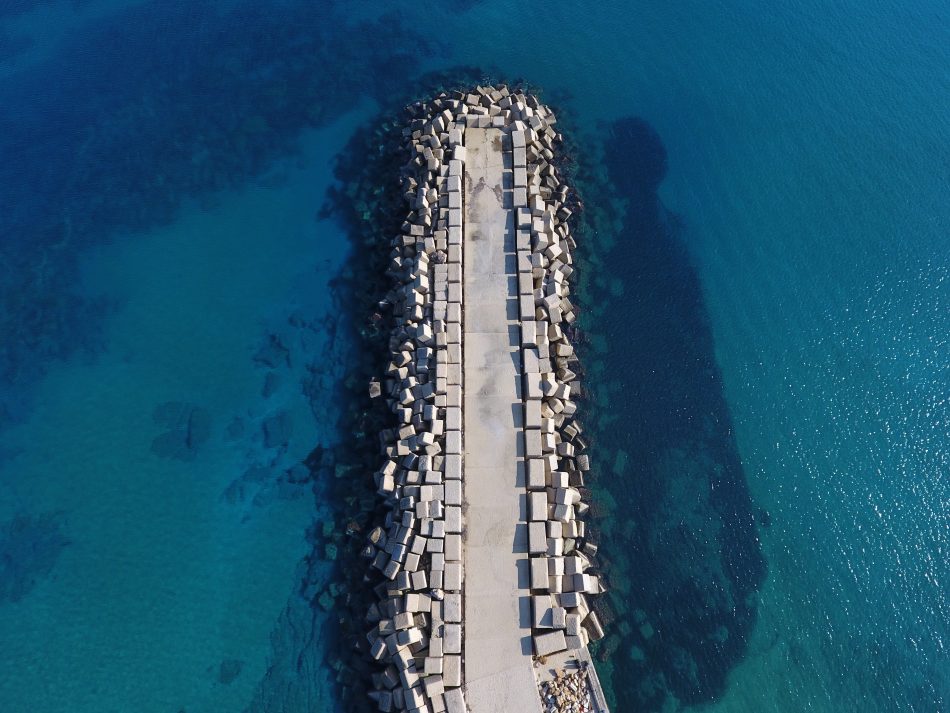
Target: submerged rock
{"x": 278, "y": 430}
{"x": 271, "y": 384}
{"x": 30, "y": 545}
{"x": 189, "y": 427}
{"x": 273, "y": 353}
{"x": 235, "y": 429}
{"x": 229, "y": 670}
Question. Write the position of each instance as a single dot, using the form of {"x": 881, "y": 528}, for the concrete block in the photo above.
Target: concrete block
{"x": 452, "y": 608}
{"x": 532, "y": 409}
{"x": 452, "y": 672}
{"x": 542, "y": 611}
{"x": 573, "y": 624}
{"x": 574, "y": 642}
{"x": 536, "y": 475}
{"x": 433, "y": 683}
{"x": 593, "y": 627}
{"x": 539, "y": 573}
{"x": 563, "y": 512}
{"x": 391, "y": 570}
{"x": 415, "y": 698}
{"x": 523, "y": 218}
{"x": 452, "y": 579}
{"x": 453, "y": 466}
{"x": 525, "y": 284}
{"x": 532, "y": 440}
{"x": 403, "y": 620}
{"x": 453, "y": 492}
{"x": 532, "y": 388}
{"x": 526, "y": 307}
{"x": 453, "y": 442}
{"x": 549, "y": 643}
{"x": 452, "y": 640}
{"x": 453, "y": 519}
{"x": 529, "y": 334}
{"x": 455, "y": 701}
{"x": 537, "y": 538}
{"x": 453, "y": 547}
{"x": 538, "y": 506}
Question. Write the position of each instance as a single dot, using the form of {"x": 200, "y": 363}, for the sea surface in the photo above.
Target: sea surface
{"x": 766, "y": 294}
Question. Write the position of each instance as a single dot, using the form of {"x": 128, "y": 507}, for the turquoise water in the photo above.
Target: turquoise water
{"x": 768, "y": 321}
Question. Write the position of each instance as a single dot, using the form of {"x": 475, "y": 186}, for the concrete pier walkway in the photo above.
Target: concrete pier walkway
{"x": 498, "y": 664}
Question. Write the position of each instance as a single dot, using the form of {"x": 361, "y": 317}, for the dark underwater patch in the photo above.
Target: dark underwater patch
{"x": 30, "y": 546}
{"x": 229, "y": 670}
{"x": 674, "y": 509}
{"x": 188, "y": 428}
{"x": 147, "y": 107}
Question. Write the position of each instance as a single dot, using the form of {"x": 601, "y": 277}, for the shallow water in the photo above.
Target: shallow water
{"x": 767, "y": 339}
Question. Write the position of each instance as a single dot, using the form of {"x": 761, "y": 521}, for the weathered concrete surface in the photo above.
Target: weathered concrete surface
{"x": 498, "y": 664}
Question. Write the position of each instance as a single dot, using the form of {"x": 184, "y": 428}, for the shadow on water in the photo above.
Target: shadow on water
{"x": 671, "y": 493}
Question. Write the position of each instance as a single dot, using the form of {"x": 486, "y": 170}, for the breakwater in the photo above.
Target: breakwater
{"x": 482, "y": 565}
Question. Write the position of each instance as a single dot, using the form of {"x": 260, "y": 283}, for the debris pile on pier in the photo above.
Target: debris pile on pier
{"x": 567, "y": 693}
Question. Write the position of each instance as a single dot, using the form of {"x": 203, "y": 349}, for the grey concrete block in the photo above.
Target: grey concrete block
{"x": 537, "y": 538}
{"x": 452, "y": 608}
{"x": 453, "y": 547}
{"x": 452, "y": 676}
{"x": 453, "y": 442}
{"x": 539, "y": 574}
{"x": 538, "y": 505}
{"x": 453, "y": 519}
{"x": 536, "y": 474}
{"x": 549, "y": 643}
{"x": 455, "y": 701}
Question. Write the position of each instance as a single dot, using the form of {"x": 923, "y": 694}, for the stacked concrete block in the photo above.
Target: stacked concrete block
{"x": 417, "y": 629}
{"x": 561, "y": 582}
{"x": 417, "y": 633}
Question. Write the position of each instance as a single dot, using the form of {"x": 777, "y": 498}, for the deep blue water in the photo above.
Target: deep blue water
{"x": 766, "y": 294}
